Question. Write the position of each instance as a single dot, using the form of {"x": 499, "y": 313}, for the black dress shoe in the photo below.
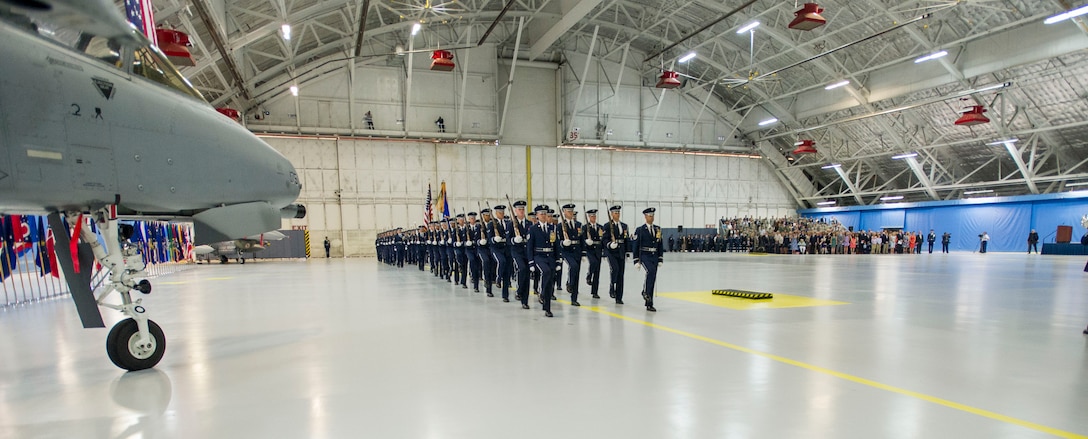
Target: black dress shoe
{"x": 1086, "y": 331}
{"x": 645, "y": 297}
{"x": 464, "y": 287}
{"x": 505, "y": 299}
{"x": 490, "y": 295}
{"x": 524, "y": 306}
{"x": 651, "y": 308}
{"x": 596, "y": 296}
{"x": 611, "y": 294}
{"x": 575, "y": 304}
{"x": 540, "y": 299}
{"x": 475, "y": 290}
{"x": 554, "y": 298}
{"x": 619, "y": 302}
{"x": 547, "y": 313}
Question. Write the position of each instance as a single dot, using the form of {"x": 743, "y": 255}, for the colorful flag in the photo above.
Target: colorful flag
{"x": 42, "y": 259}
{"x": 51, "y": 248}
{"x": 7, "y": 251}
{"x": 24, "y": 241}
{"x": 427, "y": 210}
{"x": 442, "y": 202}
{"x": 139, "y": 13}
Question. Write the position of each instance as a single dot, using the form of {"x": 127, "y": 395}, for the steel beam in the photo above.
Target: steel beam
{"x": 582, "y": 80}
{"x": 922, "y": 177}
{"x": 570, "y": 18}
{"x": 213, "y": 30}
{"x": 1028, "y": 175}
{"x": 510, "y": 81}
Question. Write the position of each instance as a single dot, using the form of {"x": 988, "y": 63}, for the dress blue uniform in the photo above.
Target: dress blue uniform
{"x": 460, "y": 235}
{"x": 591, "y": 236}
{"x": 649, "y": 252}
{"x": 474, "y": 232}
{"x": 540, "y": 250}
{"x": 615, "y": 238}
{"x": 483, "y": 251}
{"x": 500, "y": 234}
{"x": 570, "y": 231}
{"x": 518, "y": 241}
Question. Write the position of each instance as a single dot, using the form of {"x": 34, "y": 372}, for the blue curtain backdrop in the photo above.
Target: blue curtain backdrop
{"x": 1007, "y": 220}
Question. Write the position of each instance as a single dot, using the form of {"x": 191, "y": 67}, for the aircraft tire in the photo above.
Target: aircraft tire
{"x": 120, "y": 346}
{"x": 222, "y": 259}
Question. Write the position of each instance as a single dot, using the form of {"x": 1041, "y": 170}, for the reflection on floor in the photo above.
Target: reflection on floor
{"x": 960, "y": 345}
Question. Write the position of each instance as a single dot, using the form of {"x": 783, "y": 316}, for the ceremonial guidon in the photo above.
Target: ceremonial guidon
{"x": 649, "y": 252}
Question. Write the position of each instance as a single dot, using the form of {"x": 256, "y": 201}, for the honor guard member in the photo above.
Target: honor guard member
{"x": 443, "y": 236}
{"x": 554, "y": 217}
{"x": 421, "y": 247}
{"x": 451, "y": 254}
{"x": 402, "y": 248}
{"x": 591, "y": 236}
{"x": 520, "y": 234}
{"x": 541, "y": 249}
{"x": 432, "y": 238}
{"x": 460, "y": 235}
{"x": 500, "y": 234}
{"x": 483, "y": 251}
{"x": 571, "y": 232}
{"x": 649, "y": 252}
{"x": 615, "y": 238}
{"x": 474, "y": 232}
{"x": 533, "y": 273}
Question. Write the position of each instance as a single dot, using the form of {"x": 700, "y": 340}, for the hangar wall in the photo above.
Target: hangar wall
{"x": 355, "y": 188}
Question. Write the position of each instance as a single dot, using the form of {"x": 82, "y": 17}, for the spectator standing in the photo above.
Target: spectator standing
{"x": 983, "y": 240}
{"x": 946, "y": 239}
{"x": 1033, "y": 241}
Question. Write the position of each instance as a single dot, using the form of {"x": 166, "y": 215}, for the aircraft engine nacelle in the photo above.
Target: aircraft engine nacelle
{"x": 293, "y": 211}
{"x": 248, "y": 246}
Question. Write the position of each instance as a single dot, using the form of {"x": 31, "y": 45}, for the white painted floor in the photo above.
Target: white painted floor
{"x": 927, "y": 346}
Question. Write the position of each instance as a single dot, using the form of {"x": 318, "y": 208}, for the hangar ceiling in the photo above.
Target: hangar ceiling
{"x": 1030, "y": 77}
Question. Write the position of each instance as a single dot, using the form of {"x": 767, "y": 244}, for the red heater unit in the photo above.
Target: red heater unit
{"x": 973, "y": 116}
{"x": 442, "y": 60}
{"x": 805, "y": 147}
{"x": 669, "y": 79}
{"x": 231, "y": 113}
{"x": 808, "y": 18}
{"x": 175, "y": 45}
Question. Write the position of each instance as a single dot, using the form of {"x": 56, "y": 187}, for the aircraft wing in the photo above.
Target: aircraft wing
{"x": 100, "y": 17}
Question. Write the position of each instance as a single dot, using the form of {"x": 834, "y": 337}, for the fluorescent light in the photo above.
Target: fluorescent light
{"x": 931, "y": 56}
{"x": 826, "y": 203}
{"x": 768, "y": 122}
{"x": 686, "y": 58}
{"x": 837, "y": 85}
{"x": 905, "y": 156}
{"x": 1002, "y": 142}
{"x": 286, "y": 29}
{"x": 1082, "y": 183}
{"x": 1067, "y": 15}
{"x": 415, "y": 28}
{"x": 892, "y": 198}
{"x": 294, "y": 90}
{"x": 984, "y": 191}
{"x": 748, "y": 27}
{"x": 833, "y": 165}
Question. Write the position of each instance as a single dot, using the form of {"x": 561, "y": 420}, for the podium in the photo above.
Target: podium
{"x": 1064, "y": 235}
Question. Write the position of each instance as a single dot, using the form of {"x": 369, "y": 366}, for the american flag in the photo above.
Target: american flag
{"x": 427, "y": 210}
{"x": 140, "y": 15}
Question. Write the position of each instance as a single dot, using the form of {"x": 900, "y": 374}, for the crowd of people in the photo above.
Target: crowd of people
{"x": 819, "y": 236}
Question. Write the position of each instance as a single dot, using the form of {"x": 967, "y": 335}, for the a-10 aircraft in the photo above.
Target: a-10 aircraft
{"x": 96, "y": 123}
{"x": 237, "y": 248}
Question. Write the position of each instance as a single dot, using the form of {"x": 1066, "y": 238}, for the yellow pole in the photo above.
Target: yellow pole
{"x": 529, "y": 176}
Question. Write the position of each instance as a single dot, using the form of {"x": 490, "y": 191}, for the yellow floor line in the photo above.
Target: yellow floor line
{"x": 848, "y": 377}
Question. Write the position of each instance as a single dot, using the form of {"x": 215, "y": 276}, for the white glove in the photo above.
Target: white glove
{"x": 483, "y": 242}
{"x": 660, "y": 263}
{"x": 567, "y": 243}
{"x": 449, "y": 241}
{"x": 532, "y": 268}
{"x": 457, "y": 244}
{"x": 589, "y": 242}
{"x": 518, "y": 240}
{"x": 613, "y": 245}
{"x": 500, "y": 240}
{"x": 468, "y": 243}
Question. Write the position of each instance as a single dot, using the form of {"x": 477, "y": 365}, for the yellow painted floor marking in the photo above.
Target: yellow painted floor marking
{"x": 191, "y": 281}
{"x": 847, "y": 377}
{"x": 779, "y": 300}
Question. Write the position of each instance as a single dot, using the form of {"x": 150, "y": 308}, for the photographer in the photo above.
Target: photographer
{"x": 983, "y": 239}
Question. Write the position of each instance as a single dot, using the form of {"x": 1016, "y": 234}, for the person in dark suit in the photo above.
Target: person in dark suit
{"x": 519, "y": 238}
{"x": 931, "y": 238}
{"x": 540, "y": 250}
{"x": 1033, "y": 241}
{"x": 328, "y": 247}
{"x": 570, "y": 230}
{"x": 649, "y": 251}
{"x": 500, "y": 232}
{"x": 592, "y": 237}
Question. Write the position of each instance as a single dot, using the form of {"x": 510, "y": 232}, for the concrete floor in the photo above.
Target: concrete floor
{"x": 934, "y": 346}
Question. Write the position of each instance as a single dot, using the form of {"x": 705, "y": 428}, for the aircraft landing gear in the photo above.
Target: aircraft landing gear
{"x": 135, "y": 343}
{"x": 222, "y": 259}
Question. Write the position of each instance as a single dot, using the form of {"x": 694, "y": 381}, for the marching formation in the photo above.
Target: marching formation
{"x": 529, "y": 249}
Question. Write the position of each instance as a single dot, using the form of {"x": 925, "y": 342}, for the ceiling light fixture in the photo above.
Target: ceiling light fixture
{"x": 831, "y": 166}
{"x": 1081, "y": 183}
{"x": 286, "y": 29}
{"x": 415, "y": 28}
{"x": 1002, "y": 142}
{"x": 768, "y": 122}
{"x": 931, "y": 56}
{"x": 294, "y": 90}
{"x": 686, "y": 58}
{"x": 905, "y": 156}
{"x": 748, "y": 27}
{"x": 984, "y": 191}
{"x": 826, "y": 203}
{"x": 1067, "y": 15}
{"x": 891, "y": 198}
{"x": 837, "y": 85}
